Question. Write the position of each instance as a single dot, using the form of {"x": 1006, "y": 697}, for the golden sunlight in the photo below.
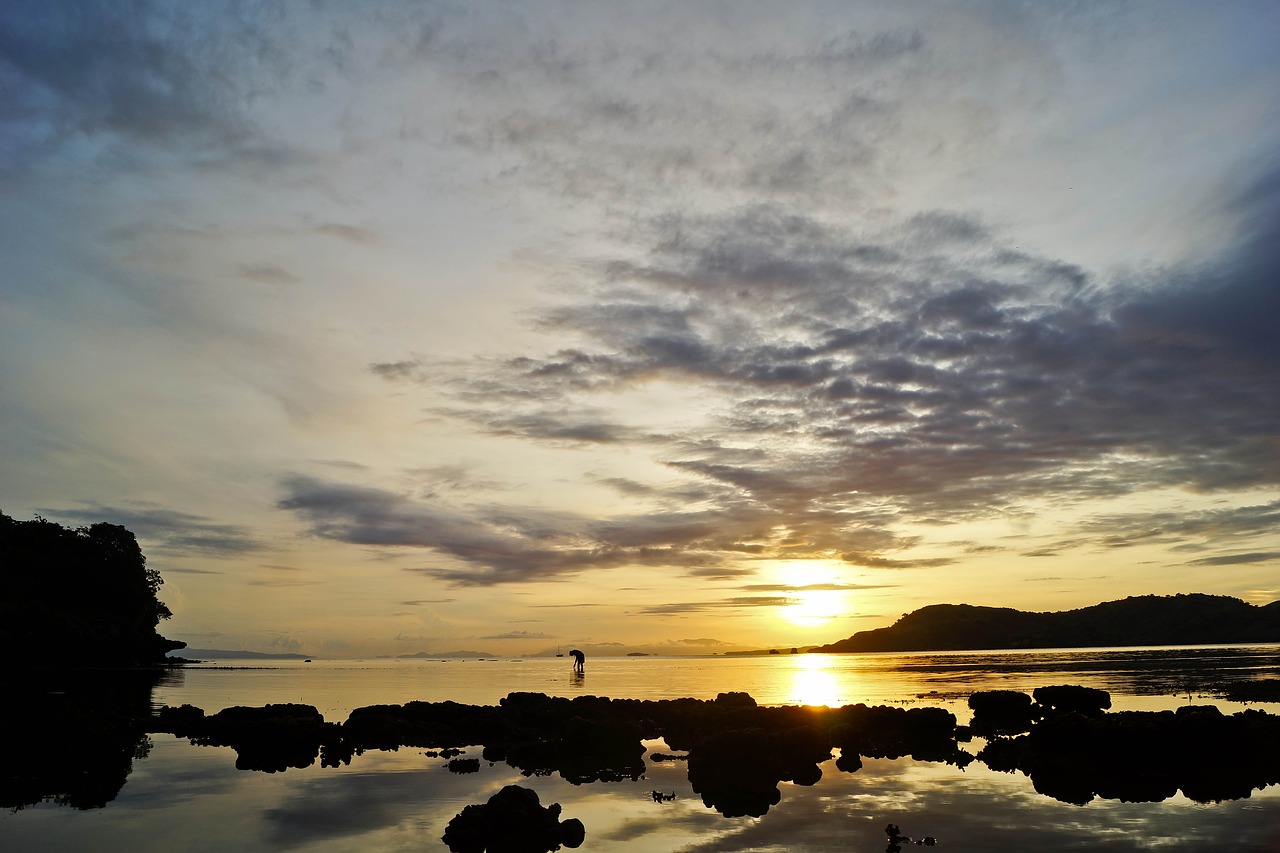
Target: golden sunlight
{"x": 811, "y": 608}
{"x": 814, "y": 593}
{"x": 813, "y": 682}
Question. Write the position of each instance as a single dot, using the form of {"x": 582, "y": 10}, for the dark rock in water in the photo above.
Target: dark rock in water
{"x": 512, "y": 821}
{"x": 423, "y": 724}
{"x": 272, "y": 738}
{"x": 1142, "y": 756}
{"x": 1262, "y": 690}
{"x": 1001, "y": 712}
{"x": 586, "y": 739}
{"x": 739, "y": 752}
{"x": 464, "y": 765}
{"x": 1072, "y": 697}
{"x": 897, "y": 839}
{"x": 183, "y": 721}
{"x": 880, "y": 731}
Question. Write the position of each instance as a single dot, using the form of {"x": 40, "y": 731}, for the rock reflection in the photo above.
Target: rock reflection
{"x": 512, "y": 821}
{"x": 71, "y": 737}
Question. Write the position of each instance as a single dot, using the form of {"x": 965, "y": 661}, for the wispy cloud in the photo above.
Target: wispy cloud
{"x": 737, "y": 603}
{"x": 169, "y": 530}
{"x": 519, "y": 635}
{"x": 497, "y": 544}
{"x": 1238, "y": 559}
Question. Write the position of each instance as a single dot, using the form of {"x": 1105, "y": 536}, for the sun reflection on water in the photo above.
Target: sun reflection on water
{"x": 813, "y": 682}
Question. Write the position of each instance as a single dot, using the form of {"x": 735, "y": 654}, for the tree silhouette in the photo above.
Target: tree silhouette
{"x": 72, "y": 592}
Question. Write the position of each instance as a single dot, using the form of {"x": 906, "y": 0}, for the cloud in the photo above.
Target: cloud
{"x": 811, "y": 587}
{"x": 519, "y": 635}
{"x": 737, "y": 603}
{"x": 499, "y": 544}
{"x": 625, "y": 118}
{"x": 877, "y": 562}
{"x": 268, "y": 274}
{"x": 350, "y": 233}
{"x": 405, "y": 369}
{"x": 277, "y": 583}
{"x": 555, "y": 426}
{"x": 928, "y": 367}
{"x": 149, "y": 74}
{"x": 1238, "y": 559}
{"x": 923, "y": 372}
{"x": 1221, "y": 527}
{"x": 170, "y": 531}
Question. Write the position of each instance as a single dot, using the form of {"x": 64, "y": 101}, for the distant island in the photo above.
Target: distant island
{"x": 1146, "y": 620}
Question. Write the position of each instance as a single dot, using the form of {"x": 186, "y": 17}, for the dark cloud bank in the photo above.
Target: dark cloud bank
{"x": 925, "y": 374}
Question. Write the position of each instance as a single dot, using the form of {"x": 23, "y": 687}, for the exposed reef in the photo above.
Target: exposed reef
{"x": 738, "y": 753}
{"x": 72, "y": 741}
{"x": 272, "y": 738}
{"x": 1262, "y": 690}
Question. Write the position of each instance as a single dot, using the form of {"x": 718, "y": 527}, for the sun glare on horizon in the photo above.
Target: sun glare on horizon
{"x": 814, "y": 592}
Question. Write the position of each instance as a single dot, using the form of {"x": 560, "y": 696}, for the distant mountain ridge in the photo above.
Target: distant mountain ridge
{"x": 1146, "y": 620}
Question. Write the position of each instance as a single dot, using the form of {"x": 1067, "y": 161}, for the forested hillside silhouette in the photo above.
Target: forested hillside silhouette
{"x": 1147, "y": 620}
{"x": 78, "y": 596}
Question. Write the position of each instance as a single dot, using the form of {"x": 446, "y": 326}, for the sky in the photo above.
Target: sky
{"x": 396, "y": 328}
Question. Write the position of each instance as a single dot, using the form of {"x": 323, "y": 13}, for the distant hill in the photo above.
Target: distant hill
{"x": 1147, "y": 620}
{"x": 459, "y": 653}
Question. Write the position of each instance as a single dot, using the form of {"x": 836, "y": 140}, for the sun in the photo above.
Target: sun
{"x": 815, "y": 592}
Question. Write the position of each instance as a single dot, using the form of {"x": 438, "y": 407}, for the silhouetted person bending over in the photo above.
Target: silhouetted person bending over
{"x": 579, "y": 661}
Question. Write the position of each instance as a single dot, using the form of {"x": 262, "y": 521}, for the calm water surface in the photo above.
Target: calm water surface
{"x": 180, "y": 797}
{"x": 1138, "y": 679}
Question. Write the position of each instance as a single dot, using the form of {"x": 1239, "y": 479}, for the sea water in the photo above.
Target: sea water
{"x": 1138, "y": 679}
{"x": 180, "y": 797}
